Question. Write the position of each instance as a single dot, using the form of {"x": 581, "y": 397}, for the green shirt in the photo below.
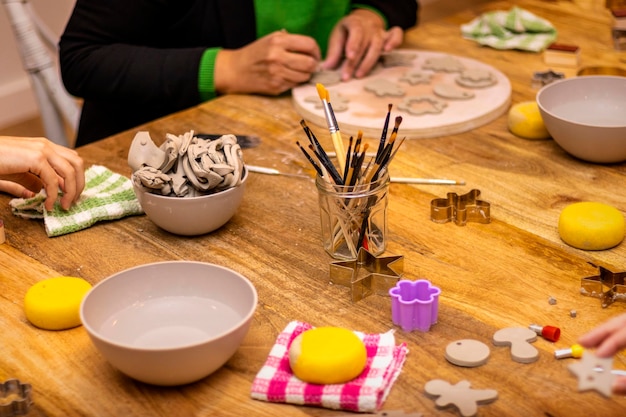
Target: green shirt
{"x": 315, "y": 18}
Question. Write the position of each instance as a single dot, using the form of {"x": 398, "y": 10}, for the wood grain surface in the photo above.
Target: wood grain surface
{"x": 492, "y": 276}
{"x": 365, "y": 110}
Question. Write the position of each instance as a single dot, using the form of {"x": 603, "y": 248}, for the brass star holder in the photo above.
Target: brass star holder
{"x": 608, "y": 286}
{"x": 367, "y": 274}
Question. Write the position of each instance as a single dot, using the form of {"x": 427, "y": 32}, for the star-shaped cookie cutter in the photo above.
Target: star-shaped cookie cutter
{"x": 608, "y": 286}
{"x": 15, "y": 398}
{"x": 460, "y": 209}
{"x": 367, "y": 274}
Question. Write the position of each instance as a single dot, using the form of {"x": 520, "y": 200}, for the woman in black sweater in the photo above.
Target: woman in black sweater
{"x": 135, "y": 61}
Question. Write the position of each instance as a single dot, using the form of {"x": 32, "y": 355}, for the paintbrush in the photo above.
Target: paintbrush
{"x": 333, "y": 126}
{"x": 310, "y": 159}
{"x": 272, "y": 171}
{"x": 383, "y": 136}
{"x": 348, "y": 159}
{"x": 431, "y": 181}
{"x": 330, "y": 168}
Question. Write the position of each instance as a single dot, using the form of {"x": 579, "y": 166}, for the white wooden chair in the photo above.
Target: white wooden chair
{"x": 38, "y": 47}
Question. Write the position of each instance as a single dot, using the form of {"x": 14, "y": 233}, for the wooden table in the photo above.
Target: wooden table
{"x": 491, "y": 276}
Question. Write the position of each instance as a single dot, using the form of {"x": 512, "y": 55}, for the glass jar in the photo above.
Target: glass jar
{"x": 353, "y": 216}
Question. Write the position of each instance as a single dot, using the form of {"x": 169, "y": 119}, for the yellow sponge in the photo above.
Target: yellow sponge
{"x": 54, "y": 303}
{"x": 525, "y": 121}
{"x": 327, "y": 355}
{"x": 591, "y": 226}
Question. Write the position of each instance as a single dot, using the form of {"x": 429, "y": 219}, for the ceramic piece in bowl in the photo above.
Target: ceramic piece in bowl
{"x": 169, "y": 323}
{"x": 586, "y": 116}
{"x": 192, "y": 216}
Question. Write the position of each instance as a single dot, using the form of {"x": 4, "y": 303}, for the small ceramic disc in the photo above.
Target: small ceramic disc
{"x": 467, "y": 352}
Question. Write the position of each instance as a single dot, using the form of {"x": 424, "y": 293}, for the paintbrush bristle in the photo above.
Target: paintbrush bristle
{"x": 321, "y": 91}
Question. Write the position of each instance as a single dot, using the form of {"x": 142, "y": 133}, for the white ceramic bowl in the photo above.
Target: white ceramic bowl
{"x": 191, "y": 216}
{"x": 586, "y": 116}
{"x": 169, "y": 323}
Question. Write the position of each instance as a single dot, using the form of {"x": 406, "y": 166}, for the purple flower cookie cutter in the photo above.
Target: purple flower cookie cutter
{"x": 414, "y": 304}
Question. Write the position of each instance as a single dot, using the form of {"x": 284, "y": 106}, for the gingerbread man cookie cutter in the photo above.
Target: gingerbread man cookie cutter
{"x": 414, "y": 304}
{"x": 15, "y": 398}
{"x": 460, "y": 209}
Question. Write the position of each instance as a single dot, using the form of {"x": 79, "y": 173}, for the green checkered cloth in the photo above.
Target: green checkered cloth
{"x": 515, "y": 29}
{"x": 107, "y": 196}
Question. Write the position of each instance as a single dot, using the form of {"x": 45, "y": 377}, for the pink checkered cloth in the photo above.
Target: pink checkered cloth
{"x": 276, "y": 383}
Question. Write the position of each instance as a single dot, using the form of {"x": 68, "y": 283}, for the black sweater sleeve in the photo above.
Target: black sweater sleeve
{"x": 401, "y": 13}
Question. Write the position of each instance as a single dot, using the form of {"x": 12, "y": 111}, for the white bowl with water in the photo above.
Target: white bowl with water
{"x": 169, "y": 323}
{"x": 586, "y": 116}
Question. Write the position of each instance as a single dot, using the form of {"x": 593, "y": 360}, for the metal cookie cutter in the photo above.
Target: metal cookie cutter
{"x": 414, "y": 304}
{"x": 460, "y": 209}
{"x": 367, "y": 274}
{"x": 607, "y": 286}
{"x": 15, "y": 398}
{"x": 544, "y": 78}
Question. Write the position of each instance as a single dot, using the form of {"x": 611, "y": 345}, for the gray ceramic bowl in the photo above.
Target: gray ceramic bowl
{"x": 191, "y": 216}
{"x": 586, "y": 116}
{"x": 169, "y": 323}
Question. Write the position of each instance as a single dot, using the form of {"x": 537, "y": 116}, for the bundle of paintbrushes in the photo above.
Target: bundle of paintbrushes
{"x": 353, "y": 193}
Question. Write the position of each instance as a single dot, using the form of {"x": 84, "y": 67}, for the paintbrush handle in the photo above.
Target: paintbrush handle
{"x": 434, "y": 181}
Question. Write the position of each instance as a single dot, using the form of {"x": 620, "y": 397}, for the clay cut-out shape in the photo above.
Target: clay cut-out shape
{"x": 397, "y": 59}
{"x": 468, "y": 353}
{"x": 594, "y": 373}
{"x": 415, "y": 77}
{"x": 476, "y": 78}
{"x": 382, "y": 88}
{"x": 340, "y": 102}
{"x": 325, "y": 77}
{"x": 444, "y": 64}
{"x": 419, "y": 105}
{"x": 519, "y": 338}
{"x": 460, "y": 395}
{"x": 452, "y": 92}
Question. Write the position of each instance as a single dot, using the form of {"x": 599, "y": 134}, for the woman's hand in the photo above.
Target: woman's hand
{"x": 608, "y": 339}
{"x": 271, "y": 65}
{"x": 29, "y": 164}
{"x": 358, "y": 41}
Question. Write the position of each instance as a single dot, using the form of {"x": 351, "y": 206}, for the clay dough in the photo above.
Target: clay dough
{"x": 339, "y": 102}
{"x": 201, "y": 166}
{"x": 382, "y": 88}
{"x": 467, "y": 352}
{"x": 418, "y": 105}
{"x": 476, "y": 78}
{"x": 397, "y": 59}
{"x": 416, "y": 76}
{"x": 443, "y": 64}
{"x": 452, "y": 92}
{"x": 519, "y": 339}
{"x": 460, "y": 395}
{"x": 325, "y": 77}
